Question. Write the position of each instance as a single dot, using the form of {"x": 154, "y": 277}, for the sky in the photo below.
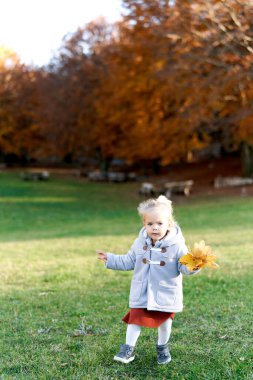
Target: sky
{"x": 34, "y": 29}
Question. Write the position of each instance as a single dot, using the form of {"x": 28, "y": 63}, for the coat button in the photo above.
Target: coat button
{"x": 164, "y": 249}
{"x": 145, "y": 247}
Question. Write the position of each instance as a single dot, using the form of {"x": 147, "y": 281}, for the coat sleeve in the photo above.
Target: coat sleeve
{"x": 121, "y": 262}
{"x": 183, "y": 250}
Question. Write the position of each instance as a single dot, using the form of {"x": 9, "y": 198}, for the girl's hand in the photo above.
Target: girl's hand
{"x": 102, "y": 255}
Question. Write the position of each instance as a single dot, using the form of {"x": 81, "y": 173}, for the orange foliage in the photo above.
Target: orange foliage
{"x": 167, "y": 80}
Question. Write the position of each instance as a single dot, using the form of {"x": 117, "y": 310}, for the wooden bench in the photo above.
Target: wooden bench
{"x": 181, "y": 187}
{"x": 147, "y": 189}
{"x": 35, "y": 175}
{"x": 97, "y": 176}
{"x": 116, "y": 177}
{"x": 220, "y": 182}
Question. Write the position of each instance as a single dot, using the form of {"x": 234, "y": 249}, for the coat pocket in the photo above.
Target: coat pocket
{"x": 135, "y": 291}
{"x": 166, "y": 295}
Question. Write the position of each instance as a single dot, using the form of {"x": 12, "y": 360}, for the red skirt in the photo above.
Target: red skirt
{"x": 147, "y": 318}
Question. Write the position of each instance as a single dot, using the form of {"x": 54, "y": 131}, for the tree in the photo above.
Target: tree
{"x": 68, "y": 94}
{"x": 18, "y": 107}
{"x": 218, "y": 52}
{"x": 143, "y": 89}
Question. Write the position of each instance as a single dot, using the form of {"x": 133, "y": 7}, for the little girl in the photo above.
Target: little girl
{"x": 156, "y": 286}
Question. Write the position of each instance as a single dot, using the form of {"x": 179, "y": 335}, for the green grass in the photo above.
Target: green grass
{"x": 60, "y": 310}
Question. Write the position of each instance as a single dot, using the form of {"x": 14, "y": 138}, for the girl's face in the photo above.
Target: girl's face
{"x": 157, "y": 224}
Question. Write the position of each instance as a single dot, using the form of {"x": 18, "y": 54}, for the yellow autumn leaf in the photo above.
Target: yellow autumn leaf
{"x": 199, "y": 257}
{"x": 188, "y": 260}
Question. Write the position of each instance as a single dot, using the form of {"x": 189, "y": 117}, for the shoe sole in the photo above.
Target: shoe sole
{"x": 125, "y": 361}
{"x": 168, "y": 361}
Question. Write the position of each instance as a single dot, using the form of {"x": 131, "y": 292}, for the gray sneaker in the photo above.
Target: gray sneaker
{"x": 163, "y": 354}
{"x": 125, "y": 355}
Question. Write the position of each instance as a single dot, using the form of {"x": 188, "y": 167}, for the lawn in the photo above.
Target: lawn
{"x": 60, "y": 309}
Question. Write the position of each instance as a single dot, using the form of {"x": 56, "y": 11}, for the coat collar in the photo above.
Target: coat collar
{"x": 171, "y": 238}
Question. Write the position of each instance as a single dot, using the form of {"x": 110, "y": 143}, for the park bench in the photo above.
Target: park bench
{"x": 180, "y": 187}
{"x": 121, "y": 176}
{"x": 220, "y": 182}
{"x": 97, "y": 176}
{"x": 100, "y": 176}
{"x": 35, "y": 175}
{"x": 116, "y": 176}
{"x": 169, "y": 188}
{"x": 147, "y": 189}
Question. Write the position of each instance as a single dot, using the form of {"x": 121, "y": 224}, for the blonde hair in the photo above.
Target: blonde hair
{"x": 151, "y": 204}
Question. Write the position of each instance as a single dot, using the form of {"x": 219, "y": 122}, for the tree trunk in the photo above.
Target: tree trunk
{"x": 247, "y": 159}
{"x": 156, "y": 166}
{"x": 105, "y": 164}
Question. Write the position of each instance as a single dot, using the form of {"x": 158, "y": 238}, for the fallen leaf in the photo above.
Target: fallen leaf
{"x": 199, "y": 257}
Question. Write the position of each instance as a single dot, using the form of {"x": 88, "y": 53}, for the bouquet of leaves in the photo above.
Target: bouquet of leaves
{"x": 199, "y": 257}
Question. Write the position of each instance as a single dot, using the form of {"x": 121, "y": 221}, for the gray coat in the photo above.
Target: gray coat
{"x": 157, "y": 279}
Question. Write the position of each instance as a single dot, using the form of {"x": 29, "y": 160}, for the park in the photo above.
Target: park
{"x": 61, "y": 309}
{"x": 157, "y": 103}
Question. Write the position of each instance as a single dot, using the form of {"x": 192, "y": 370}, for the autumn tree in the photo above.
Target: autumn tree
{"x": 68, "y": 95}
{"x": 143, "y": 90}
{"x": 18, "y": 107}
{"x": 168, "y": 79}
{"x": 217, "y": 50}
